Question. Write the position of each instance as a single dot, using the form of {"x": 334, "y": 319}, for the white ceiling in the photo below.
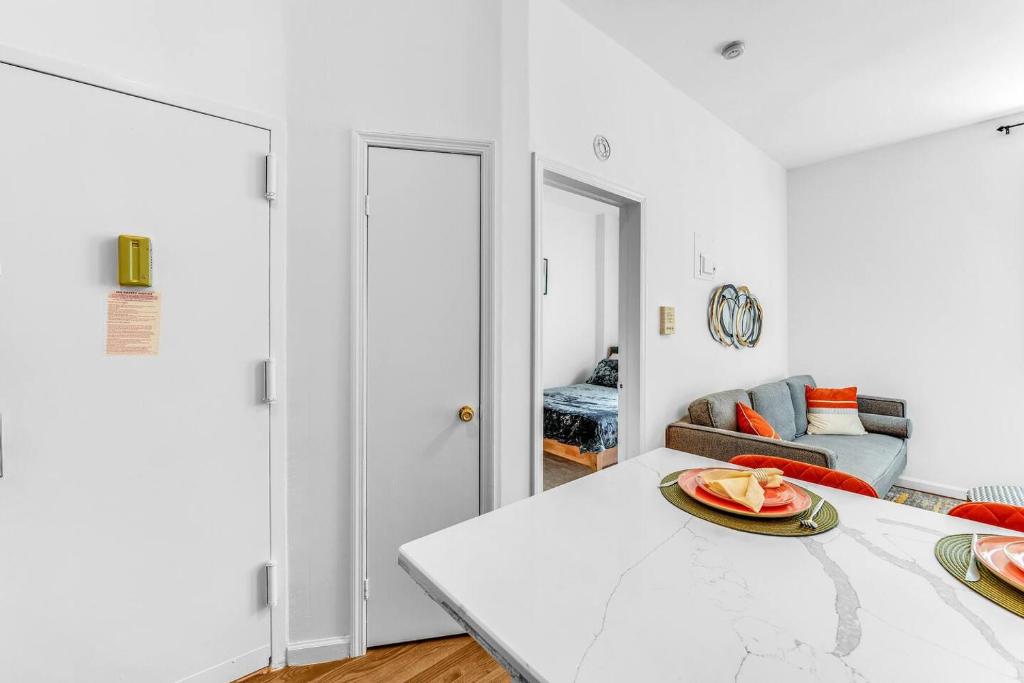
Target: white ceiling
{"x": 823, "y": 78}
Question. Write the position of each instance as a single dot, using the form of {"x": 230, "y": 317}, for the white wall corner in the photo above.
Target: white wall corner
{"x": 318, "y": 651}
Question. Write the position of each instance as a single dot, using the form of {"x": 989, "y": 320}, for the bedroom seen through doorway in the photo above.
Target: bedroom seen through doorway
{"x": 580, "y": 336}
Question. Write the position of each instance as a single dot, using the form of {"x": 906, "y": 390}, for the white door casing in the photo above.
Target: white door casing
{"x": 469, "y": 254}
{"x": 136, "y": 495}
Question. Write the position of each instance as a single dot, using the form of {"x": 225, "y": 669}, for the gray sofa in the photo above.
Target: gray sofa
{"x": 878, "y": 457}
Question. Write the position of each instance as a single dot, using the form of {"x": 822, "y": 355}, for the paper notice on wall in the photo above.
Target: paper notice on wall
{"x": 133, "y": 323}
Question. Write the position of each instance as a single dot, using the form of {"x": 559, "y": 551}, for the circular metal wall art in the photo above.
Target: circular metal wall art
{"x": 734, "y": 317}
{"x": 602, "y": 148}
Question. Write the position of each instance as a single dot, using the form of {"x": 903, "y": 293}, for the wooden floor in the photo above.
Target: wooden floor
{"x": 453, "y": 659}
{"x": 558, "y": 471}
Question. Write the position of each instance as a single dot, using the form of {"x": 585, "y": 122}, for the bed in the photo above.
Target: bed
{"x": 581, "y": 421}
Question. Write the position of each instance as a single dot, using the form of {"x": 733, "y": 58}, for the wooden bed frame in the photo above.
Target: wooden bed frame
{"x": 594, "y": 460}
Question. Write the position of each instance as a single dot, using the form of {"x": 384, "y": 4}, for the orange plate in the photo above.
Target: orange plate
{"x": 688, "y": 482}
{"x": 780, "y": 495}
{"x": 991, "y": 553}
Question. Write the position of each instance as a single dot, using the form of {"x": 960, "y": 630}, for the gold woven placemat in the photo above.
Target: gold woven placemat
{"x": 954, "y": 552}
{"x": 827, "y": 517}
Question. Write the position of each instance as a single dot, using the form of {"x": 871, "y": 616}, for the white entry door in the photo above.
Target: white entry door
{"x": 422, "y": 367}
{"x": 134, "y": 502}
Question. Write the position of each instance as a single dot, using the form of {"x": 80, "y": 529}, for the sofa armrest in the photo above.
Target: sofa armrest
{"x": 900, "y": 427}
{"x": 876, "y": 405}
{"x": 723, "y": 444}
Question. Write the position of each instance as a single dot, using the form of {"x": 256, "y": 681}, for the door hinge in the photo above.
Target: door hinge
{"x": 271, "y": 189}
{"x": 366, "y": 204}
{"x": 269, "y": 381}
{"x": 366, "y": 589}
{"x": 271, "y": 568}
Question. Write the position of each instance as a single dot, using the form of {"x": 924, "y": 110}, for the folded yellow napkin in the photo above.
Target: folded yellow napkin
{"x": 741, "y": 485}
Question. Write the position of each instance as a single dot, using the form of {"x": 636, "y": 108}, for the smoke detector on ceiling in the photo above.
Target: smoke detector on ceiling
{"x": 733, "y": 49}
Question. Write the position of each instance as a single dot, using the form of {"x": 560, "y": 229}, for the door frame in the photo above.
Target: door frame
{"x": 362, "y": 141}
{"x": 278, "y": 228}
{"x": 632, "y": 328}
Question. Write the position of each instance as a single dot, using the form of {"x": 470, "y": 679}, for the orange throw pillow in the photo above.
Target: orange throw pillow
{"x": 832, "y": 411}
{"x": 751, "y": 422}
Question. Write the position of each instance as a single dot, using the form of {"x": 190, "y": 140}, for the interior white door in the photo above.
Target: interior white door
{"x": 134, "y": 503}
{"x": 422, "y": 366}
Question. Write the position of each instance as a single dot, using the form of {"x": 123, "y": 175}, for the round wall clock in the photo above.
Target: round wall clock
{"x": 602, "y": 148}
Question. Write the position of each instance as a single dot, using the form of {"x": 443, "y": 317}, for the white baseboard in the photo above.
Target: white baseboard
{"x": 317, "y": 651}
{"x": 932, "y": 487}
{"x": 236, "y": 667}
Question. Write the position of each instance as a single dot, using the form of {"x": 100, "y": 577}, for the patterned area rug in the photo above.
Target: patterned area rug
{"x": 925, "y": 501}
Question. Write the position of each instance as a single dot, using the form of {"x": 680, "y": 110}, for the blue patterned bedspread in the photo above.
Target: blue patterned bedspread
{"x": 584, "y": 415}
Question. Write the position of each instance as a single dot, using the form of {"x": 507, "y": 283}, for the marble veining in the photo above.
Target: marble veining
{"x": 848, "y": 629}
{"x": 946, "y": 593}
{"x": 611, "y": 596}
{"x": 642, "y": 591}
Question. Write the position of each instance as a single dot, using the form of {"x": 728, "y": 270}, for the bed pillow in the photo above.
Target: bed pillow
{"x": 832, "y": 411}
{"x": 606, "y": 374}
{"x": 751, "y": 422}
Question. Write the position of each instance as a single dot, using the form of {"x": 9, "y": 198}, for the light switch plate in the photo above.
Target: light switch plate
{"x": 704, "y": 265}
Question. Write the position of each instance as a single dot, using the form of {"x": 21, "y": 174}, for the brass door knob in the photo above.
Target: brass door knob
{"x": 466, "y": 413}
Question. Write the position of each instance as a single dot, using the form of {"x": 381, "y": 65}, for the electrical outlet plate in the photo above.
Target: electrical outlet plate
{"x": 704, "y": 265}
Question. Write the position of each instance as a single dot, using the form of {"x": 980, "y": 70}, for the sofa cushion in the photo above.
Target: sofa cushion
{"x": 718, "y": 410}
{"x": 796, "y": 392}
{"x": 775, "y": 404}
{"x": 876, "y": 458}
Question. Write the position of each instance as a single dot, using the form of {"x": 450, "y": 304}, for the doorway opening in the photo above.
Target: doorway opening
{"x": 588, "y": 304}
{"x": 580, "y": 339}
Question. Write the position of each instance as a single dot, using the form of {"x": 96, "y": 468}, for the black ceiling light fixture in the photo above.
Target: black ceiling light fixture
{"x": 734, "y": 49}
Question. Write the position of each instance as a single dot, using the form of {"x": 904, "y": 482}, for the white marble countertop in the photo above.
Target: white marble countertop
{"x": 603, "y": 580}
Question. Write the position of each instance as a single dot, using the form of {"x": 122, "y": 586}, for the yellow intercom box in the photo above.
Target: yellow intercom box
{"x": 134, "y": 261}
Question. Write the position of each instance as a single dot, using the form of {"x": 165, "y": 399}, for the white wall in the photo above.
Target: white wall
{"x": 906, "y": 271}
{"x": 697, "y": 175}
{"x": 456, "y": 68}
{"x": 515, "y": 190}
{"x": 580, "y": 311}
{"x": 450, "y": 67}
{"x": 389, "y": 65}
{"x": 570, "y": 307}
{"x": 607, "y": 281}
{"x": 230, "y": 51}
